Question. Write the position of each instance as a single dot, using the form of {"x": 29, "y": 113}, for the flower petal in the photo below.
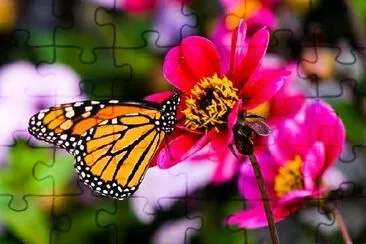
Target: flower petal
{"x": 180, "y": 149}
{"x": 256, "y": 217}
{"x": 233, "y": 115}
{"x": 300, "y": 196}
{"x": 257, "y": 47}
{"x": 262, "y": 17}
{"x": 284, "y": 140}
{"x": 159, "y": 97}
{"x": 313, "y": 166}
{"x": 262, "y": 86}
{"x": 194, "y": 59}
{"x": 323, "y": 124}
{"x": 247, "y": 183}
{"x": 239, "y": 48}
{"x": 227, "y": 166}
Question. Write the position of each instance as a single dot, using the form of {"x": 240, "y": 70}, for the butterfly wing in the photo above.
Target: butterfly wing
{"x": 63, "y": 124}
{"x": 113, "y": 142}
{"x": 113, "y": 156}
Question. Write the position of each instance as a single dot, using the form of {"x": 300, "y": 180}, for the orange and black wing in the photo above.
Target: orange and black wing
{"x": 63, "y": 124}
{"x": 113, "y": 156}
{"x": 113, "y": 142}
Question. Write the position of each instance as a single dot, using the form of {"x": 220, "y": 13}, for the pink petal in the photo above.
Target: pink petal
{"x": 227, "y": 167}
{"x": 323, "y": 124}
{"x": 263, "y": 17}
{"x": 193, "y": 60}
{"x": 257, "y": 47}
{"x": 180, "y": 149}
{"x": 176, "y": 71}
{"x": 233, "y": 115}
{"x": 159, "y": 97}
{"x": 256, "y": 217}
{"x": 300, "y": 196}
{"x": 286, "y": 141}
{"x": 248, "y": 185}
{"x": 313, "y": 166}
{"x": 222, "y": 37}
{"x": 239, "y": 48}
{"x": 284, "y": 105}
{"x": 262, "y": 87}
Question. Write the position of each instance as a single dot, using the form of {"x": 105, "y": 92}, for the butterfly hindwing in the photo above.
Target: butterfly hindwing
{"x": 113, "y": 156}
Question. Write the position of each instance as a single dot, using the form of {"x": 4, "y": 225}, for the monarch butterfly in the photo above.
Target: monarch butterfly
{"x": 112, "y": 141}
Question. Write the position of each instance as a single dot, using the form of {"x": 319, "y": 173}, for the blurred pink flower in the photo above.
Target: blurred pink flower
{"x": 24, "y": 90}
{"x": 257, "y": 13}
{"x": 213, "y": 95}
{"x": 293, "y": 161}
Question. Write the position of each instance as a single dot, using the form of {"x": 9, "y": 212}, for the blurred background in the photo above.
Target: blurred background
{"x": 60, "y": 51}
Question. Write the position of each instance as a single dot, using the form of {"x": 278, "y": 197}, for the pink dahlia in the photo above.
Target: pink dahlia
{"x": 293, "y": 163}
{"x": 213, "y": 95}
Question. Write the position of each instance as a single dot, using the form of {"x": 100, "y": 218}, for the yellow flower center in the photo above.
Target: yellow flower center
{"x": 209, "y": 104}
{"x": 289, "y": 177}
{"x": 245, "y": 9}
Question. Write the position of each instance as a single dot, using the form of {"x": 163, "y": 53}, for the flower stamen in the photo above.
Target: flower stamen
{"x": 289, "y": 177}
{"x": 210, "y": 102}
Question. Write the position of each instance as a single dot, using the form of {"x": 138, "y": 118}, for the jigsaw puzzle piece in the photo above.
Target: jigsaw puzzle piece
{"x": 27, "y": 219}
{"x": 172, "y": 22}
{"x": 71, "y": 226}
{"x": 178, "y": 231}
{"x": 161, "y": 188}
{"x": 58, "y": 173}
{"x": 101, "y": 36}
{"x": 36, "y": 36}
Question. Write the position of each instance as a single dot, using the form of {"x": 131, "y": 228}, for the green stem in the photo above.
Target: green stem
{"x": 265, "y": 199}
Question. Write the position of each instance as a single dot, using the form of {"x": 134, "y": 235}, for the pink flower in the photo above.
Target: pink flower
{"x": 293, "y": 162}
{"x": 257, "y": 13}
{"x": 213, "y": 95}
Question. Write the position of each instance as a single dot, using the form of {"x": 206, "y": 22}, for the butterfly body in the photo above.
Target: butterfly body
{"x": 112, "y": 141}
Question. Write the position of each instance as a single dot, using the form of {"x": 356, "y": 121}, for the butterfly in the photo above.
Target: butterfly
{"x": 112, "y": 141}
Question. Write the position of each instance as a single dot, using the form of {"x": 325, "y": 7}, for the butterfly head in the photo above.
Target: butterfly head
{"x": 169, "y": 113}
